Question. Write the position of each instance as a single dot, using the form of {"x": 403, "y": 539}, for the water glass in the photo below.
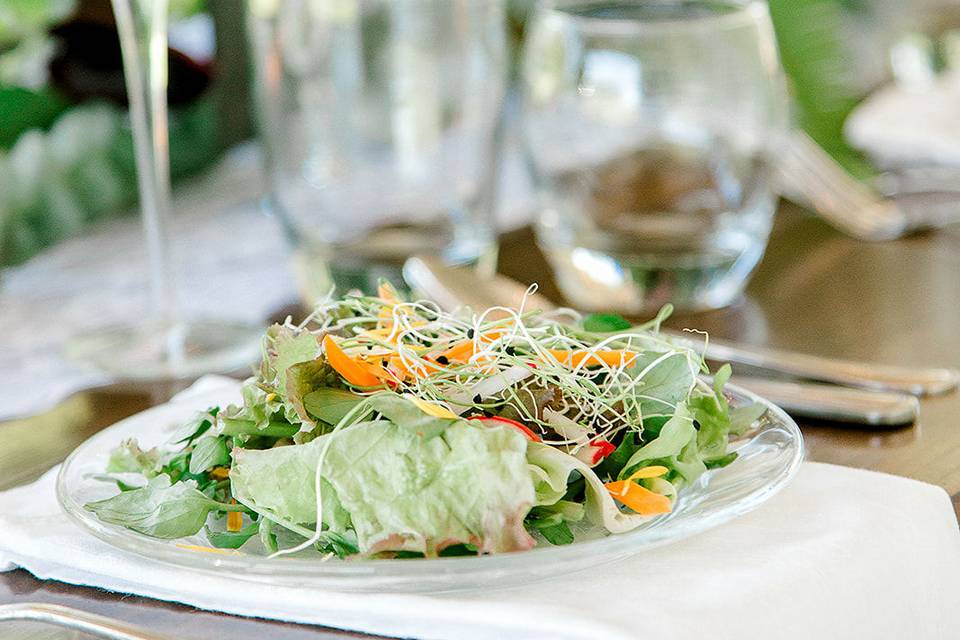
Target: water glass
{"x": 649, "y": 127}
{"x": 380, "y": 120}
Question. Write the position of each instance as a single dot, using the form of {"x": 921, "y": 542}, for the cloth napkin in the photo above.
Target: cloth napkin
{"x": 840, "y": 553}
{"x": 899, "y": 127}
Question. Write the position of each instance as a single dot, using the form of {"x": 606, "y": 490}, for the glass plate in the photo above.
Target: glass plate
{"x": 769, "y": 457}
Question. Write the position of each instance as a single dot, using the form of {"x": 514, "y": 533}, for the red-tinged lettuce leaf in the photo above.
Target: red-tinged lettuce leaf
{"x": 403, "y": 491}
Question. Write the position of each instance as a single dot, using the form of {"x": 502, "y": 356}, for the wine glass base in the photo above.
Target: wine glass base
{"x": 188, "y": 350}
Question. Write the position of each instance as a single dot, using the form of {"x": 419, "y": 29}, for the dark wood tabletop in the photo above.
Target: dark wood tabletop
{"x": 816, "y": 291}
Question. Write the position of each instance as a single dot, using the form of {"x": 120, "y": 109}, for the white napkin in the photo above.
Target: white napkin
{"x": 898, "y": 127}
{"x": 841, "y": 553}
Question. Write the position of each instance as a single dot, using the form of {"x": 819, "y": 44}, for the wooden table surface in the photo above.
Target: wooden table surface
{"x": 816, "y": 291}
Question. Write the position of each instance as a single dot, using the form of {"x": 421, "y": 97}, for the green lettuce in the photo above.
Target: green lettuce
{"x": 404, "y": 488}
{"x": 160, "y": 509}
{"x": 557, "y": 469}
{"x": 664, "y": 384}
{"x": 675, "y": 448}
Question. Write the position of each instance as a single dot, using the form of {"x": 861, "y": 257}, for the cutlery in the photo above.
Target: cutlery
{"x": 919, "y": 381}
{"x": 75, "y": 620}
{"x": 808, "y": 174}
{"x": 453, "y": 287}
{"x": 839, "y": 404}
{"x": 447, "y": 285}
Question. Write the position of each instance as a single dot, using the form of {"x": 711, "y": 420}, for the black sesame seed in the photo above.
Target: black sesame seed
{"x": 477, "y": 399}
{"x": 510, "y": 351}
{"x": 442, "y": 360}
{"x": 470, "y": 333}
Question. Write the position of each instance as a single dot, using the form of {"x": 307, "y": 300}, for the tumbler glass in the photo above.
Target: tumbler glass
{"x": 380, "y": 120}
{"x": 649, "y": 127}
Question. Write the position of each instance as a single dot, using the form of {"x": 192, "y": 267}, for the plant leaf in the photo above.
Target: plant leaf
{"x": 330, "y": 405}
{"x": 128, "y": 457}
{"x": 558, "y": 534}
{"x": 605, "y": 323}
{"x": 611, "y": 466}
{"x": 669, "y": 447}
{"x": 665, "y": 384}
{"x": 199, "y": 426}
{"x": 231, "y": 539}
{"x": 159, "y": 509}
{"x": 267, "y": 537}
{"x": 209, "y": 452}
{"x": 399, "y": 491}
{"x": 409, "y": 417}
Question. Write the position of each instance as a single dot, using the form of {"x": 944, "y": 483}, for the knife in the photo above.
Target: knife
{"x": 446, "y": 284}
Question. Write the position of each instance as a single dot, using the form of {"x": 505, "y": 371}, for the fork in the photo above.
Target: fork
{"x": 810, "y": 176}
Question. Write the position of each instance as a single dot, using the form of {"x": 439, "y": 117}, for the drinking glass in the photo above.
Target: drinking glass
{"x": 165, "y": 345}
{"x": 380, "y": 122}
{"x": 649, "y": 127}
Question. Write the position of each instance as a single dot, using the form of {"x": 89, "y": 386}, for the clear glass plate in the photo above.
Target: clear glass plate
{"x": 769, "y": 457}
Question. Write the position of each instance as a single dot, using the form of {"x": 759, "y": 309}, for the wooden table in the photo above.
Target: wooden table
{"x": 816, "y": 291}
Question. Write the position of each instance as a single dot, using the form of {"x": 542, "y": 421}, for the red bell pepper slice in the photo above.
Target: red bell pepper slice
{"x": 601, "y": 449}
{"x": 522, "y": 428}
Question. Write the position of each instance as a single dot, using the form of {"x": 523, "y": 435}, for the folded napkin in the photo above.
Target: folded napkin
{"x": 898, "y": 127}
{"x": 840, "y": 553}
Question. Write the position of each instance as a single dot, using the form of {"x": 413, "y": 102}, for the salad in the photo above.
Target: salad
{"x": 383, "y": 428}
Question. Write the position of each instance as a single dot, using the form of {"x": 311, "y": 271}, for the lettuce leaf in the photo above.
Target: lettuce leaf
{"x": 158, "y": 509}
{"x": 282, "y": 481}
{"x": 672, "y": 448}
{"x": 717, "y": 421}
{"x": 331, "y": 405}
{"x": 600, "y": 507}
{"x": 665, "y": 384}
{"x": 128, "y": 457}
{"x": 402, "y": 489}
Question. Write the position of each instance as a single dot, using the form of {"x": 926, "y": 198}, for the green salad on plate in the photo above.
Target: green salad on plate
{"x": 382, "y": 428}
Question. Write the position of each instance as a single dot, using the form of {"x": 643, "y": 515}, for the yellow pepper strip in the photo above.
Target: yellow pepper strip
{"x": 648, "y": 472}
{"x": 220, "y": 473}
{"x": 430, "y": 408}
{"x": 234, "y": 519}
{"x": 611, "y": 357}
{"x": 194, "y": 547}
{"x": 351, "y": 370}
{"x": 637, "y": 498}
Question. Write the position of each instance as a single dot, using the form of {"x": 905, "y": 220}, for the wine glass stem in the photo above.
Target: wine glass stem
{"x": 142, "y": 27}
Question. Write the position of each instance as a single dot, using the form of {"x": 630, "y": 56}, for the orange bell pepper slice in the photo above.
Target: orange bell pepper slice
{"x": 466, "y": 349}
{"x": 352, "y": 371}
{"x": 611, "y": 357}
{"x": 637, "y": 498}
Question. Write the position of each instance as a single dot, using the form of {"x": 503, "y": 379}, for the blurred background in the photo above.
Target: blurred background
{"x": 66, "y": 153}
{"x": 624, "y": 155}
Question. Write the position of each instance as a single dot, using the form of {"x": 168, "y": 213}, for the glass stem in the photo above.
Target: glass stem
{"x": 142, "y": 27}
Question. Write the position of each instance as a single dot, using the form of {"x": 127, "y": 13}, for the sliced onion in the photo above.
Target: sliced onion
{"x": 489, "y": 387}
{"x": 564, "y": 426}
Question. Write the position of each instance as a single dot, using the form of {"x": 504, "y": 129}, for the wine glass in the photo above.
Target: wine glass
{"x": 165, "y": 345}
